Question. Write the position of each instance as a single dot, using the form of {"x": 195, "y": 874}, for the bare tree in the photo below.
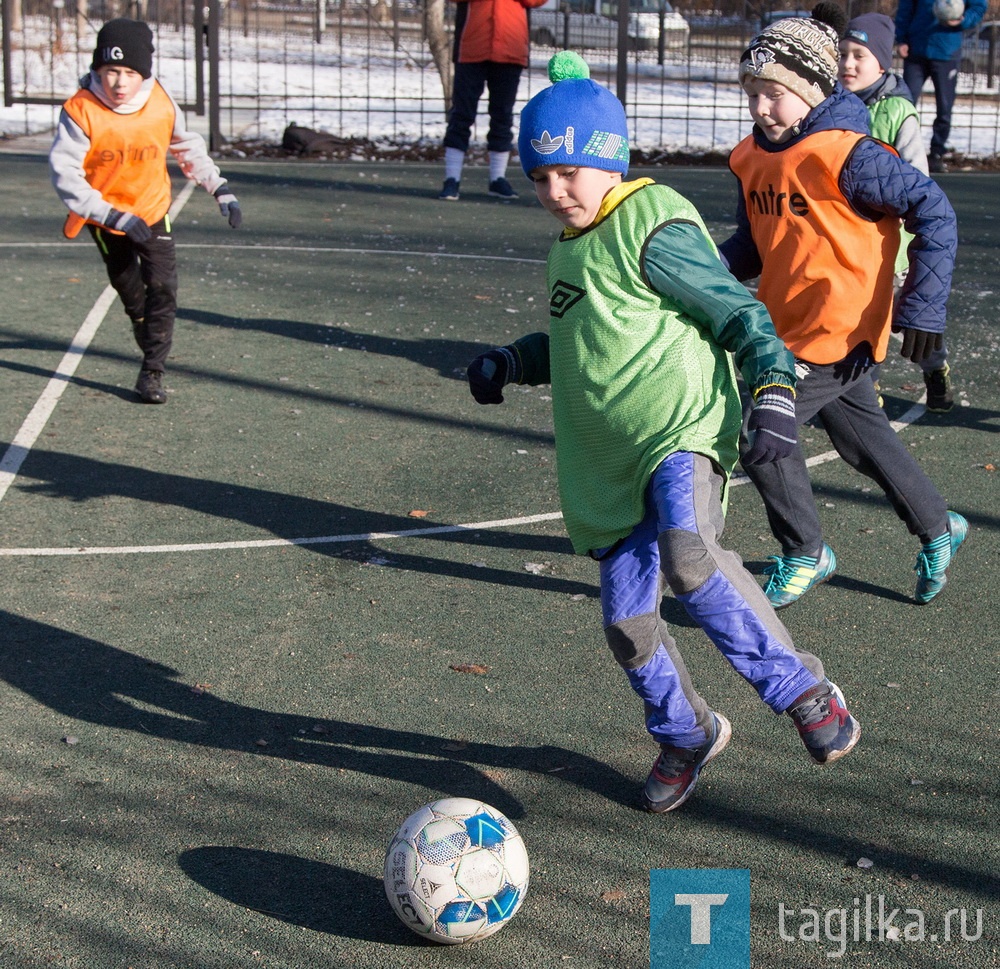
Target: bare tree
{"x": 439, "y": 44}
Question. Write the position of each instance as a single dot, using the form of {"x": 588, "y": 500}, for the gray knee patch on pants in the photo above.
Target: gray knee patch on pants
{"x": 685, "y": 561}
{"x": 634, "y": 640}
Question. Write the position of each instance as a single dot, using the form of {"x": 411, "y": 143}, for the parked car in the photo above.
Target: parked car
{"x": 975, "y": 55}
{"x": 769, "y": 17}
{"x": 579, "y": 24}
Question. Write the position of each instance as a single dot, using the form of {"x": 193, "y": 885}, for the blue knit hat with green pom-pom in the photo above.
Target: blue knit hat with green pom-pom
{"x": 574, "y": 122}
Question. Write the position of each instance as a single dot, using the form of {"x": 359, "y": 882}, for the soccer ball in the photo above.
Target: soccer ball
{"x": 948, "y": 10}
{"x": 456, "y": 870}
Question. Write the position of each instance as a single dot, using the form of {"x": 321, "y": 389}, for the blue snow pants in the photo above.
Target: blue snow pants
{"x": 676, "y": 545}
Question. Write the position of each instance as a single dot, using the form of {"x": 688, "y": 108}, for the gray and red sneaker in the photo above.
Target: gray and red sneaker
{"x": 824, "y": 723}
{"x": 675, "y": 773}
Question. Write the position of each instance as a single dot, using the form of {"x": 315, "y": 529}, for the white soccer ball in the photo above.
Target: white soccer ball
{"x": 456, "y": 870}
{"x": 948, "y": 10}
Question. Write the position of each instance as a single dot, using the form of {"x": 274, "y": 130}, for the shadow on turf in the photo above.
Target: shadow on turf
{"x": 292, "y": 517}
{"x": 124, "y": 691}
{"x": 448, "y": 358}
{"x": 128, "y": 692}
{"x": 296, "y": 890}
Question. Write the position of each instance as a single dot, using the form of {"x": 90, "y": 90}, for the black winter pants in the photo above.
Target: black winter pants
{"x": 843, "y": 396}
{"x": 145, "y": 277}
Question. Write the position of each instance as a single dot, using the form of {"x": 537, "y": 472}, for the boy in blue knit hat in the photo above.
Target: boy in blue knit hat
{"x": 643, "y": 317}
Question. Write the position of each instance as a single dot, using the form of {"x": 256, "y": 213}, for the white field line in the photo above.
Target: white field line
{"x": 35, "y": 422}
{"x": 409, "y": 253}
{"x": 738, "y": 479}
{"x": 284, "y": 542}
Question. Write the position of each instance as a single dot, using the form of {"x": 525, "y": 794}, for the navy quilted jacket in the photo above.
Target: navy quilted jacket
{"x": 877, "y": 183}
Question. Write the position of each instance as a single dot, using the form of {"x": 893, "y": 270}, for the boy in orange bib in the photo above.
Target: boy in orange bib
{"x": 818, "y": 221}
{"x": 109, "y": 166}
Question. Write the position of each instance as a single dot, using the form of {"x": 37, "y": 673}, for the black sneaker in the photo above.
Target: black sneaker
{"x": 675, "y": 773}
{"x": 149, "y": 387}
{"x": 824, "y": 723}
{"x": 939, "y": 395}
{"x": 935, "y": 164}
{"x": 449, "y": 191}
{"x": 500, "y": 188}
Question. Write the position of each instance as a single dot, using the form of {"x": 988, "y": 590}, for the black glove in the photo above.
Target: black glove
{"x": 773, "y": 430}
{"x": 229, "y": 206}
{"x": 134, "y": 227}
{"x": 491, "y": 371}
{"x": 918, "y": 345}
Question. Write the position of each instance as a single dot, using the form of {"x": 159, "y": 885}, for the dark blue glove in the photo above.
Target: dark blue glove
{"x": 491, "y": 371}
{"x": 229, "y": 206}
{"x": 773, "y": 430}
{"x": 134, "y": 227}
{"x": 918, "y": 345}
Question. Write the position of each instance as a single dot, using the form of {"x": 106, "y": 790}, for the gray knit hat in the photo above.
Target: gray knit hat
{"x": 877, "y": 32}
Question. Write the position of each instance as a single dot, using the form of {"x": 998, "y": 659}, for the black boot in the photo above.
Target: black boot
{"x": 149, "y": 387}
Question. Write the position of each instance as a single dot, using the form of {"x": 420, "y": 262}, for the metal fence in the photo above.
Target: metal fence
{"x": 363, "y": 70}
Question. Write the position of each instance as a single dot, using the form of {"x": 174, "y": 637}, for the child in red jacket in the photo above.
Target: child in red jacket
{"x": 491, "y": 50}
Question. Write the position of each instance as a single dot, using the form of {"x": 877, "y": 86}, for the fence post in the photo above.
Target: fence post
{"x": 623, "y": 43}
{"x": 215, "y": 139}
{"x": 8, "y": 80}
{"x": 198, "y": 23}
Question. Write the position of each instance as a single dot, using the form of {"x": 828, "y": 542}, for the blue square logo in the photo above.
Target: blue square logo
{"x": 699, "y": 918}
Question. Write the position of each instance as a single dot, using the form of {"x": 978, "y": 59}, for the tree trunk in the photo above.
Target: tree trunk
{"x": 440, "y": 45}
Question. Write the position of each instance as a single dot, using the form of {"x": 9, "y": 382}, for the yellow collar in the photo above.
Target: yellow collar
{"x": 611, "y": 201}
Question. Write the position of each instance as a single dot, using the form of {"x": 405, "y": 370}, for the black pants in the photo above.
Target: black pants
{"x": 843, "y": 396}
{"x": 144, "y": 275}
{"x": 944, "y": 77}
{"x": 470, "y": 80}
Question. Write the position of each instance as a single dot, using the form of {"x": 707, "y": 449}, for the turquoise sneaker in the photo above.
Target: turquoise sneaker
{"x": 935, "y": 557}
{"x": 675, "y": 773}
{"x": 794, "y": 575}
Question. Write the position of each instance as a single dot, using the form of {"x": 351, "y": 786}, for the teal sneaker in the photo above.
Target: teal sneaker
{"x": 935, "y": 557}
{"x": 824, "y": 723}
{"x": 792, "y": 576}
{"x": 675, "y": 772}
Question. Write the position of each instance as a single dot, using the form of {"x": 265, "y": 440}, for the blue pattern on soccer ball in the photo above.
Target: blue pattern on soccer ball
{"x": 458, "y": 913}
{"x": 485, "y": 831}
{"x": 503, "y": 903}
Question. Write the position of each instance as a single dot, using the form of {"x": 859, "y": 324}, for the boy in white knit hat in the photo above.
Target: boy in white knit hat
{"x": 820, "y": 204}
{"x": 642, "y": 320}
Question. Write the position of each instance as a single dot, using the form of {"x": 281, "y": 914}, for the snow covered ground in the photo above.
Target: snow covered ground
{"x": 394, "y": 96}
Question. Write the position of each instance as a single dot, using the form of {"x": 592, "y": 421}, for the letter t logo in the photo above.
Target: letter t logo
{"x": 701, "y": 914}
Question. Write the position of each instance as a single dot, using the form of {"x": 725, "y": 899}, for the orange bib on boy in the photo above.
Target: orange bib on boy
{"x": 828, "y": 271}
{"x": 127, "y": 156}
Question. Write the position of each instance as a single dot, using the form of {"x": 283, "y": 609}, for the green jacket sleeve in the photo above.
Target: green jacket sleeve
{"x": 680, "y": 262}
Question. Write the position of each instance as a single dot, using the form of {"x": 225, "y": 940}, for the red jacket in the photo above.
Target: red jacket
{"x": 492, "y": 30}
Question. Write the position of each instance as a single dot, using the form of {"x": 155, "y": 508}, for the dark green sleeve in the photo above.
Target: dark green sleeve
{"x": 533, "y": 353}
{"x": 680, "y": 263}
